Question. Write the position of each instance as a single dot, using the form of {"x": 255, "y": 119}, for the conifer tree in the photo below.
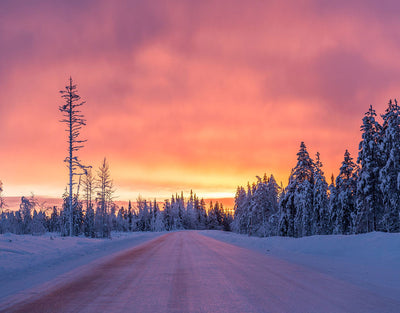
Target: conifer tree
{"x": 27, "y": 206}
{"x": 157, "y": 220}
{"x": 346, "y": 186}
{"x": 303, "y": 223}
{"x": 369, "y": 195}
{"x": 2, "y": 202}
{"x": 105, "y": 191}
{"x": 259, "y": 209}
{"x": 54, "y": 223}
{"x": 390, "y": 173}
{"x": 240, "y": 209}
{"x": 297, "y": 200}
{"x": 89, "y": 184}
{"x": 333, "y": 205}
{"x": 320, "y": 222}
{"x": 130, "y": 216}
{"x": 38, "y": 222}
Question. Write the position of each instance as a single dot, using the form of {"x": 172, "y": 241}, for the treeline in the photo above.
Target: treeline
{"x": 177, "y": 213}
{"x": 94, "y": 213}
{"x": 364, "y": 197}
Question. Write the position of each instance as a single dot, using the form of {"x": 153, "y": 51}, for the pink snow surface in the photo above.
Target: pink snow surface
{"x": 187, "y": 272}
{"x": 370, "y": 261}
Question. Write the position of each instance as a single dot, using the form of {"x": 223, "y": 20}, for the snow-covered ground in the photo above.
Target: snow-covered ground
{"x": 371, "y": 261}
{"x": 27, "y": 261}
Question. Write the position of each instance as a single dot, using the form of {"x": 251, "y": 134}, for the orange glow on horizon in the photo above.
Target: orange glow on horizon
{"x": 201, "y": 96}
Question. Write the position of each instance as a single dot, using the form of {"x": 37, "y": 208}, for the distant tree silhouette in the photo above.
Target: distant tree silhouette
{"x": 105, "y": 192}
{"x": 2, "y": 202}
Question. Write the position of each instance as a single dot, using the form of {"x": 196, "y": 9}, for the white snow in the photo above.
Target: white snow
{"x": 27, "y": 261}
{"x": 371, "y": 261}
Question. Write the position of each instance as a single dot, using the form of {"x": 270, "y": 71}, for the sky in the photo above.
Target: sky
{"x": 182, "y": 95}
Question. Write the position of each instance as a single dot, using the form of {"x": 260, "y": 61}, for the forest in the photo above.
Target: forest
{"x": 99, "y": 217}
{"x": 364, "y": 197}
{"x": 88, "y": 201}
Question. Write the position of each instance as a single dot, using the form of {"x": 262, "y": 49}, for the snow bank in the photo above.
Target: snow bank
{"x": 371, "y": 261}
{"x": 27, "y": 261}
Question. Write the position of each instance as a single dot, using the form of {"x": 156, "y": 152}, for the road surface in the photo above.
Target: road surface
{"x": 187, "y": 272}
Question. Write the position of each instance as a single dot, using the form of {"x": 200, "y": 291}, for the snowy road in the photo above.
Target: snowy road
{"x": 188, "y": 272}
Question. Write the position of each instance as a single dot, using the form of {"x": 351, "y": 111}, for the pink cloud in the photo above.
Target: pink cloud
{"x": 221, "y": 90}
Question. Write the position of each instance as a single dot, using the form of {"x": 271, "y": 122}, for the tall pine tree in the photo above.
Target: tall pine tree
{"x": 296, "y": 202}
{"x": 369, "y": 195}
{"x": 320, "y": 200}
{"x": 346, "y": 188}
{"x": 390, "y": 173}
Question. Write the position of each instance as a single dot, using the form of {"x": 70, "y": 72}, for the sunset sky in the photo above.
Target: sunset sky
{"x": 181, "y": 95}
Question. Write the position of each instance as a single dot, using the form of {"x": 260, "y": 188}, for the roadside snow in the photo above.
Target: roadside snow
{"x": 27, "y": 261}
{"x": 371, "y": 261}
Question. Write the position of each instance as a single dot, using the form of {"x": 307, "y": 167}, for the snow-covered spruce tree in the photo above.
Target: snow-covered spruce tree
{"x": 332, "y": 204}
{"x": 177, "y": 210}
{"x": 212, "y": 220}
{"x": 287, "y": 209}
{"x": 264, "y": 203}
{"x": 297, "y": 199}
{"x": 2, "y": 202}
{"x": 3, "y": 216}
{"x": 274, "y": 195}
{"x": 105, "y": 191}
{"x": 54, "y": 221}
{"x": 390, "y": 173}
{"x": 201, "y": 214}
{"x": 78, "y": 217}
{"x": 130, "y": 216}
{"x": 38, "y": 223}
{"x": 248, "y": 218}
{"x": 346, "y": 188}
{"x": 88, "y": 186}
{"x": 369, "y": 195}
{"x": 74, "y": 121}
{"x": 258, "y": 209}
{"x": 238, "y": 224}
{"x": 320, "y": 200}
{"x": 216, "y": 216}
{"x": 89, "y": 228}
{"x": 167, "y": 214}
{"x": 144, "y": 215}
{"x": 5, "y": 222}
{"x": 17, "y": 223}
{"x": 386, "y": 143}
{"x": 157, "y": 223}
{"x": 122, "y": 223}
{"x": 27, "y": 206}
{"x": 303, "y": 223}
{"x": 255, "y": 211}
{"x": 189, "y": 217}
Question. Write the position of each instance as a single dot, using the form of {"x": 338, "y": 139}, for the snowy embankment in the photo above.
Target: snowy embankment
{"x": 371, "y": 261}
{"x": 27, "y": 261}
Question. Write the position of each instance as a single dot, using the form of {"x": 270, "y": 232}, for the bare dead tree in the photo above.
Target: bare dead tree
{"x": 74, "y": 120}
